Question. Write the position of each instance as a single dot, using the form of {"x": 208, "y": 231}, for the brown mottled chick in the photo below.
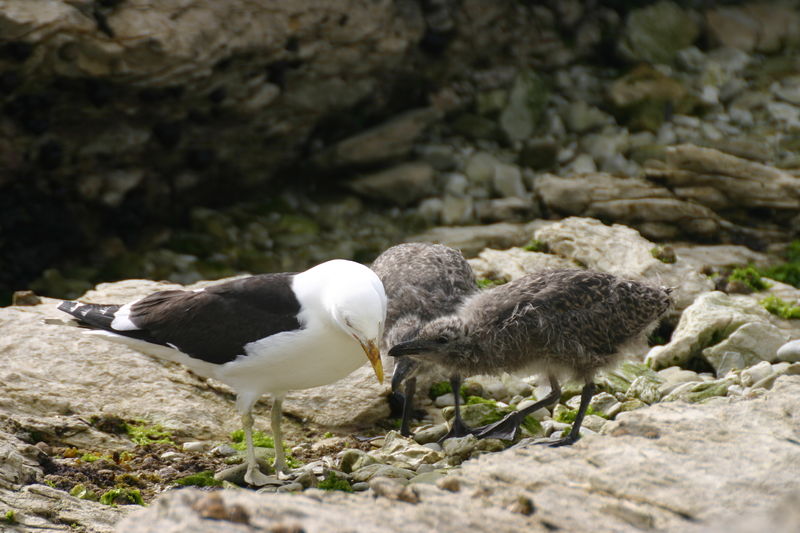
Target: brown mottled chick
{"x": 557, "y": 321}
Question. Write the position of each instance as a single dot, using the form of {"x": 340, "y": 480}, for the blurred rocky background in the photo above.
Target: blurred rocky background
{"x": 188, "y": 140}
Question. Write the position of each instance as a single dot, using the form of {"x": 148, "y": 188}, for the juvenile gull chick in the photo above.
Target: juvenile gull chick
{"x": 270, "y": 333}
{"x": 557, "y": 322}
{"x": 423, "y": 282}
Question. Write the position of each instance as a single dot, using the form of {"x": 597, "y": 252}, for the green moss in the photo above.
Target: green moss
{"x": 535, "y": 245}
{"x": 665, "y": 254}
{"x": 122, "y": 496}
{"x": 568, "y": 417}
{"x": 776, "y": 306}
{"x": 788, "y": 272}
{"x": 201, "y": 479}
{"x": 485, "y": 283}
{"x": 439, "y": 389}
{"x": 333, "y": 482}
{"x": 750, "y": 277}
{"x": 50, "y": 483}
{"x": 10, "y": 517}
{"x": 89, "y": 457}
{"x": 472, "y": 400}
{"x": 260, "y": 440}
{"x": 142, "y": 433}
{"x": 532, "y": 426}
{"x": 81, "y": 491}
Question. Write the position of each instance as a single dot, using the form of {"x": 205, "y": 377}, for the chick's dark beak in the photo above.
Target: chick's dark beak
{"x": 408, "y": 348}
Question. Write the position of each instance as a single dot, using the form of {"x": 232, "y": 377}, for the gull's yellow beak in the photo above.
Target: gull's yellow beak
{"x": 374, "y": 356}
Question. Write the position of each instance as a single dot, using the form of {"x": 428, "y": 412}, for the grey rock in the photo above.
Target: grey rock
{"x": 580, "y": 117}
{"x": 742, "y": 182}
{"x": 712, "y": 318}
{"x": 673, "y": 377}
{"x": 511, "y": 209}
{"x": 657, "y": 32}
{"x": 378, "y": 470}
{"x": 480, "y": 168}
{"x": 431, "y": 434}
{"x": 460, "y": 447}
{"x": 457, "y": 210}
{"x": 389, "y": 140}
{"x": 472, "y": 239}
{"x": 351, "y": 460}
{"x": 401, "y": 451}
{"x": 507, "y": 181}
{"x": 789, "y": 352}
{"x": 403, "y": 184}
{"x": 526, "y": 102}
{"x": 629, "y": 200}
{"x": 694, "y": 391}
{"x": 445, "y": 400}
{"x": 750, "y": 344}
{"x": 583, "y": 164}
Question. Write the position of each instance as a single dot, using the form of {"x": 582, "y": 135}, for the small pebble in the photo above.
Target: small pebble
{"x": 449, "y": 483}
{"x": 425, "y": 468}
{"x": 224, "y": 450}
{"x": 790, "y": 352}
{"x": 169, "y": 456}
{"x": 291, "y": 487}
{"x": 435, "y": 446}
{"x": 445, "y": 400}
{"x": 360, "y": 486}
{"x": 522, "y": 505}
{"x": 196, "y": 446}
{"x": 44, "y": 448}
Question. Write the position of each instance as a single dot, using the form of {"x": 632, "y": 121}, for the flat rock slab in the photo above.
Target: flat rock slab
{"x": 672, "y": 467}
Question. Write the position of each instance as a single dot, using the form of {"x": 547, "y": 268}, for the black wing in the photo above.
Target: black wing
{"x": 214, "y": 324}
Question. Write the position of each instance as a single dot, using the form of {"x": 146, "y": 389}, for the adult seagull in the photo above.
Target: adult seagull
{"x": 269, "y": 333}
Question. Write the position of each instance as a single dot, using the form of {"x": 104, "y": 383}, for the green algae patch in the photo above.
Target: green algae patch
{"x": 142, "y": 433}
{"x": 122, "y": 496}
{"x": 778, "y": 307}
{"x": 439, "y": 389}
{"x": 201, "y": 479}
{"x": 788, "y": 272}
{"x": 334, "y": 482}
{"x": 260, "y": 440}
{"x": 486, "y": 283}
{"x": 568, "y": 416}
{"x": 90, "y": 457}
{"x": 750, "y": 277}
{"x": 665, "y": 254}
{"x": 83, "y": 492}
{"x": 10, "y": 517}
{"x": 535, "y": 245}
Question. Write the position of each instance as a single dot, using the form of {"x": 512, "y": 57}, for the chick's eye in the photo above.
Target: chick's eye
{"x": 442, "y": 339}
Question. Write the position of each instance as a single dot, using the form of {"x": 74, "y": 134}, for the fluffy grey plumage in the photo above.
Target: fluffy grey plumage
{"x": 557, "y": 321}
{"x": 422, "y": 282}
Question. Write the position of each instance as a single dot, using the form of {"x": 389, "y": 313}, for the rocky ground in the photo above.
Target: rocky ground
{"x": 658, "y": 143}
{"x": 686, "y": 434}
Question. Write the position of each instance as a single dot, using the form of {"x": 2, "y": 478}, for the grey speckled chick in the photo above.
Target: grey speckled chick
{"x": 422, "y": 282}
{"x": 558, "y": 322}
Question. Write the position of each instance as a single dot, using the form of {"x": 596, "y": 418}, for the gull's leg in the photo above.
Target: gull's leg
{"x": 277, "y": 435}
{"x": 408, "y": 406}
{"x": 507, "y": 428}
{"x": 458, "y": 428}
{"x": 575, "y": 432}
{"x": 253, "y": 476}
